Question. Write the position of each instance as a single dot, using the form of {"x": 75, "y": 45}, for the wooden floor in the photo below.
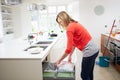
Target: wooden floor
{"x": 104, "y": 73}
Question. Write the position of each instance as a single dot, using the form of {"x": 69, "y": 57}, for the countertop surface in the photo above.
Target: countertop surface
{"x": 117, "y": 36}
{"x": 14, "y": 49}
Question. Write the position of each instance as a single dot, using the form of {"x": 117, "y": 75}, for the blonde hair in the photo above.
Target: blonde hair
{"x": 65, "y": 18}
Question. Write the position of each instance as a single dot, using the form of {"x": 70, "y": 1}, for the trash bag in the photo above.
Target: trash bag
{"x": 65, "y": 71}
{"x": 65, "y": 66}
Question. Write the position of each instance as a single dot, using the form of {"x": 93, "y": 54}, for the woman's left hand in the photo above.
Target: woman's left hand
{"x": 69, "y": 59}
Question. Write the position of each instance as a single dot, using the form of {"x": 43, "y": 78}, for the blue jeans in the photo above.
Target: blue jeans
{"x": 88, "y": 67}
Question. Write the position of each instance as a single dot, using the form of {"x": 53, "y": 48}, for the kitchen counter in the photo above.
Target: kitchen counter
{"x": 17, "y": 64}
{"x": 15, "y": 49}
{"x": 117, "y": 36}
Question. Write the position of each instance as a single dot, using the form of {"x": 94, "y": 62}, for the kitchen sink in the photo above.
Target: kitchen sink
{"x": 44, "y": 42}
{"x": 40, "y": 44}
{"x": 36, "y": 46}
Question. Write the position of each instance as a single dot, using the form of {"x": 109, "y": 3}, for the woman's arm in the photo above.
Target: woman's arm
{"x": 64, "y": 56}
{"x": 70, "y": 55}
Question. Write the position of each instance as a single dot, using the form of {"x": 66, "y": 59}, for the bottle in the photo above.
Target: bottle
{"x": 33, "y": 29}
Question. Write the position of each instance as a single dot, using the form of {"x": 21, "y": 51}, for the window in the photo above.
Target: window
{"x": 52, "y": 9}
{"x": 61, "y": 8}
{"x": 43, "y": 22}
{"x": 46, "y": 21}
{"x": 34, "y": 21}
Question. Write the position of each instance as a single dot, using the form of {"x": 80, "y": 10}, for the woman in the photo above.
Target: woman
{"x": 79, "y": 37}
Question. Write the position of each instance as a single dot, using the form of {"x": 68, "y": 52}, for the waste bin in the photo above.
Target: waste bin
{"x": 50, "y": 72}
{"x": 104, "y": 61}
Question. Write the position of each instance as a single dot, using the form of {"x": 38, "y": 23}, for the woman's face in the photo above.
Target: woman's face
{"x": 61, "y": 22}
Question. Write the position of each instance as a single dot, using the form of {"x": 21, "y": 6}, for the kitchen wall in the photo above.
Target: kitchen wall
{"x": 25, "y": 17}
{"x": 96, "y": 23}
{"x": 16, "y": 10}
{"x": 25, "y": 14}
{"x": 82, "y": 10}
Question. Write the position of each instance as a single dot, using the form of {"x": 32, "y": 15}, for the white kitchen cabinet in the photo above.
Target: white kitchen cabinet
{"x": 1, "y": 27}
{"x": 18, "y": 64}
{"x": 6, "y": 17}
{"x": 20, "y": 69}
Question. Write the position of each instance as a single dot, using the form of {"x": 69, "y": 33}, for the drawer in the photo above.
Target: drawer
{"x": 58, "y": 79}
{"x": 50, "y": 73}
{"x": 112, "y": 58}
{"x": 59, "y": 76}
{"x": 118, "y": 60}
{"x": 117, "y": 50}
{"x": 112, "y": 47}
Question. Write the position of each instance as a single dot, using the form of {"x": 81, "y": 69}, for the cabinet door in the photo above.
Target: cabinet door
{"x": 106, "y": 50}
{"x": 6, "y": 19}
{"x": 1, "y": 27}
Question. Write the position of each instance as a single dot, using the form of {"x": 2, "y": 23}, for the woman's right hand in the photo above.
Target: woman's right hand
{"x": 57, "y": 63}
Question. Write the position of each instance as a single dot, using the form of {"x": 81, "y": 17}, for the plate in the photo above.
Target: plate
{"x": 35, "y": 50}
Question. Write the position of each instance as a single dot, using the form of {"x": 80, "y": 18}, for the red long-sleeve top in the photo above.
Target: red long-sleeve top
{"x": 77, "y": 36}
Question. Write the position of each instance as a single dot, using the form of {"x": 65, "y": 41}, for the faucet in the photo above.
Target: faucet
{"x": 33, "y": 36}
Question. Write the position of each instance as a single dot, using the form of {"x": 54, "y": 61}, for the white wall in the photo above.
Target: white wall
{"x": 94, "y": 23}
{"x": 26, "y": 14}
{"x": 75, "y": 12}
{"x": 17, "y": 21}
{"x": 22, "y": 18}
{"x": 25, "y": 17}
{"x": 83, "y": 11}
